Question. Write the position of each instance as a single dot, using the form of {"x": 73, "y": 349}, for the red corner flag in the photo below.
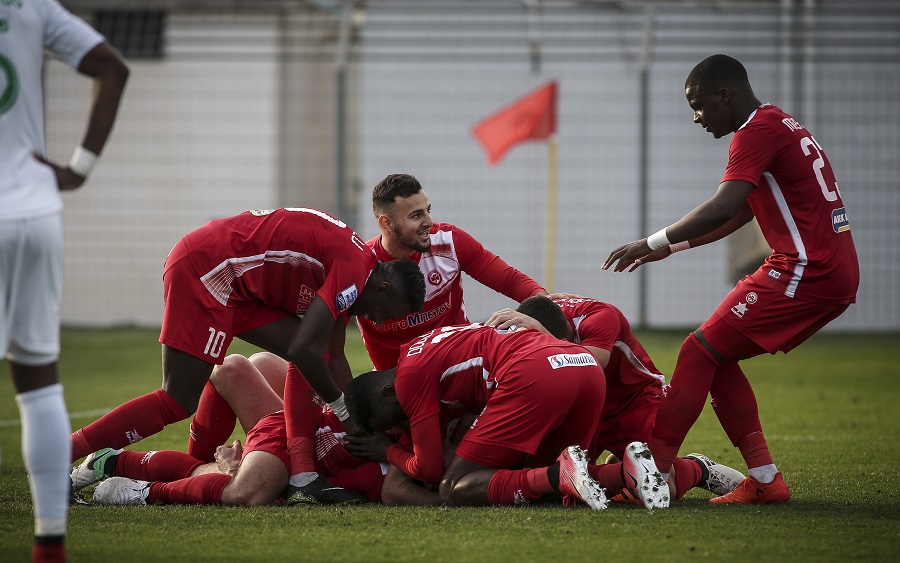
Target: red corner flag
{"x": 530, "y": 118}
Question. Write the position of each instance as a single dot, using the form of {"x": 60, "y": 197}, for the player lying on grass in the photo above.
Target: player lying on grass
{"x": 533, "y": 396}
{"x": 285, "y": 280}
{"x": 634, "y": 388}
{"x": 241, "y": 390}
{"x": 256, "y": 474}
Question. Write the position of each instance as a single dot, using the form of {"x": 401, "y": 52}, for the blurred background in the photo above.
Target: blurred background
{"x": 235, "y": 105}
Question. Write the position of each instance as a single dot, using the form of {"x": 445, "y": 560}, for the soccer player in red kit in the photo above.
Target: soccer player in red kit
{"x": 533, "y": 397}
{"x": 634, "y": 388}
{"x": 256, "y": 474}
{"x": 443, "y": 252}
{"x": 284, "y": 280}
{"x": 778, "y": 173}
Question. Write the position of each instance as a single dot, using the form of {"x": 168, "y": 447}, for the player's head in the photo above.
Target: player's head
{"x": 372, "y": 401}
{"x": 719, "y": 92}
{"x": 542, "y": 309}
{"x": 404, "y": 214}
{"x": 394, "y": 289}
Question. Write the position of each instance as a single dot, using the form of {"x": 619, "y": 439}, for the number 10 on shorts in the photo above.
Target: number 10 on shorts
{"x": 215, "y": 343}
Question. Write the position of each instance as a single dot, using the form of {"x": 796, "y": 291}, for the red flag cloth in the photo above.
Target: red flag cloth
{"x": 530, "y": 118}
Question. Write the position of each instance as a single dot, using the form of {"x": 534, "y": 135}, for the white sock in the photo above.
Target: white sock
{"x": 46, "y": 448}
{"x": 301, "y": 479}
{"x": 764, "y": 474}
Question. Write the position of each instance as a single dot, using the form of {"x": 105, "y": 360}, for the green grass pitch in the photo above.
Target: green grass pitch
{"x": 829, "y": 409}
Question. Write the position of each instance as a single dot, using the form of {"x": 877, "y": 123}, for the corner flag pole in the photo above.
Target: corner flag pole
{"x": 550, "y": 235}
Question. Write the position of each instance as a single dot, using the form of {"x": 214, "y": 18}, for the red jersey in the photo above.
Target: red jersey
{"x": 282, "y": 258}
{"x": 630, "y": 369}
{"x": 798, "y": 206}
{"x": 460, "y": 367}
{"x": 453, "y": 251}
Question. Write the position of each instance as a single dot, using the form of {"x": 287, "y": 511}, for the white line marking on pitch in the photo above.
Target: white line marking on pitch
{"x": 83, "y": 414}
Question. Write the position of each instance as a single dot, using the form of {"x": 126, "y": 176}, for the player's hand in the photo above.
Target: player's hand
{"x": 625, "y": 256}
{"x": 373, "y": 446}
{"x": 506, "y": 318}
{"x": 66, "y": 180}
{"x": 654, "y": 256}
{"x": 353, "y": 429}
{"x": 228, "y": 458}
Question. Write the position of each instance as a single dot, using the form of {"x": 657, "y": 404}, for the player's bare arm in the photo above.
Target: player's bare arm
{"x": 110, "y": 73}
{"x": 399, "y": 489}
{"x": 729, "y": 202}
{"x": 338, "y": 366}
{"x": 307, "y": 349}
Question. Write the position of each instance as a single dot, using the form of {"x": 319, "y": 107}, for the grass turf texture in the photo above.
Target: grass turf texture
{"x": 828, "y": 408}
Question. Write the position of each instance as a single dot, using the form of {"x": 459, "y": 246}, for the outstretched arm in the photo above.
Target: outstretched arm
{"x": 713, "y": 219}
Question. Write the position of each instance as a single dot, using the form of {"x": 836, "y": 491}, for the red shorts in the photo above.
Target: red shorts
{"x": 269, "y": 435}
{"x": 332, "y": 459}
{"x": 632, "y": 423}
{"x": 194, "y": 321}
{"x": 537, "y": 410}
{"x": 768, "y": 318}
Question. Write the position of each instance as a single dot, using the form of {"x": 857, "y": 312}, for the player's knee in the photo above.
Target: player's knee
{"x": 458, "y": 493}
{"x": 243, "y": 496}
{"x": 231, "y": 368}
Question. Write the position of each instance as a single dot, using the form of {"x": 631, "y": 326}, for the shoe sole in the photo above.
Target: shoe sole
{"x": 651, "y": 488}
{"x": 588, "y": 490}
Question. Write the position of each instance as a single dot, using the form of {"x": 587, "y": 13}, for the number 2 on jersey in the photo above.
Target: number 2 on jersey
{"x": 808, "y": 144}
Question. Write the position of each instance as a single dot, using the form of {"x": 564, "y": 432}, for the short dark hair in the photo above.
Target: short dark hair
{"x": 542, "y": 309}
{"x": 359, "y": 398}
{"x": 393, "y": 186}
{"x": 717, "y": 71}
{"x": 405, "y": 276}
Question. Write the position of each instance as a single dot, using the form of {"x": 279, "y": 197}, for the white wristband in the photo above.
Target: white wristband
{"x": 679, "y": 246}
{"x": 82, "y": 161}
{"x": 658, "y": 240}
{"x": 339, "y": 408}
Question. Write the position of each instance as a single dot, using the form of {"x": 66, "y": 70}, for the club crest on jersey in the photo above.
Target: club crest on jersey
{"x": 740, "y": 309}
{"x": 558, "y": 361}
{"x": 839, "y": 220}
{"x": 434, "y": 277}
{"x": 346, "y": 298}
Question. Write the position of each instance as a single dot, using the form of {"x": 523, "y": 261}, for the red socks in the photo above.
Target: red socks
{"x": 164, "y": 465}
{"x": 366, "y": 479}
{"x": 48, "y": 552}
{"x": 609, "y": 475}
{"x": 202, "y": 489}
{"x": 755, "y": 450}
{"x": 683, "y": 402}
{"x": 518, "y": 486}
{"x": 128, "y": 423}
{"x": 212, "y": 425}
{"x": 302, "y": 416}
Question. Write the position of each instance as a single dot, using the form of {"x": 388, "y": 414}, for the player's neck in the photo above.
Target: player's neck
{"x": 394, "y": 249}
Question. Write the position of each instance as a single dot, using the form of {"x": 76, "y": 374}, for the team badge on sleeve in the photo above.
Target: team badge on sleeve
{"x": 839, "y": 220}
{"x": 346, "y": 298}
